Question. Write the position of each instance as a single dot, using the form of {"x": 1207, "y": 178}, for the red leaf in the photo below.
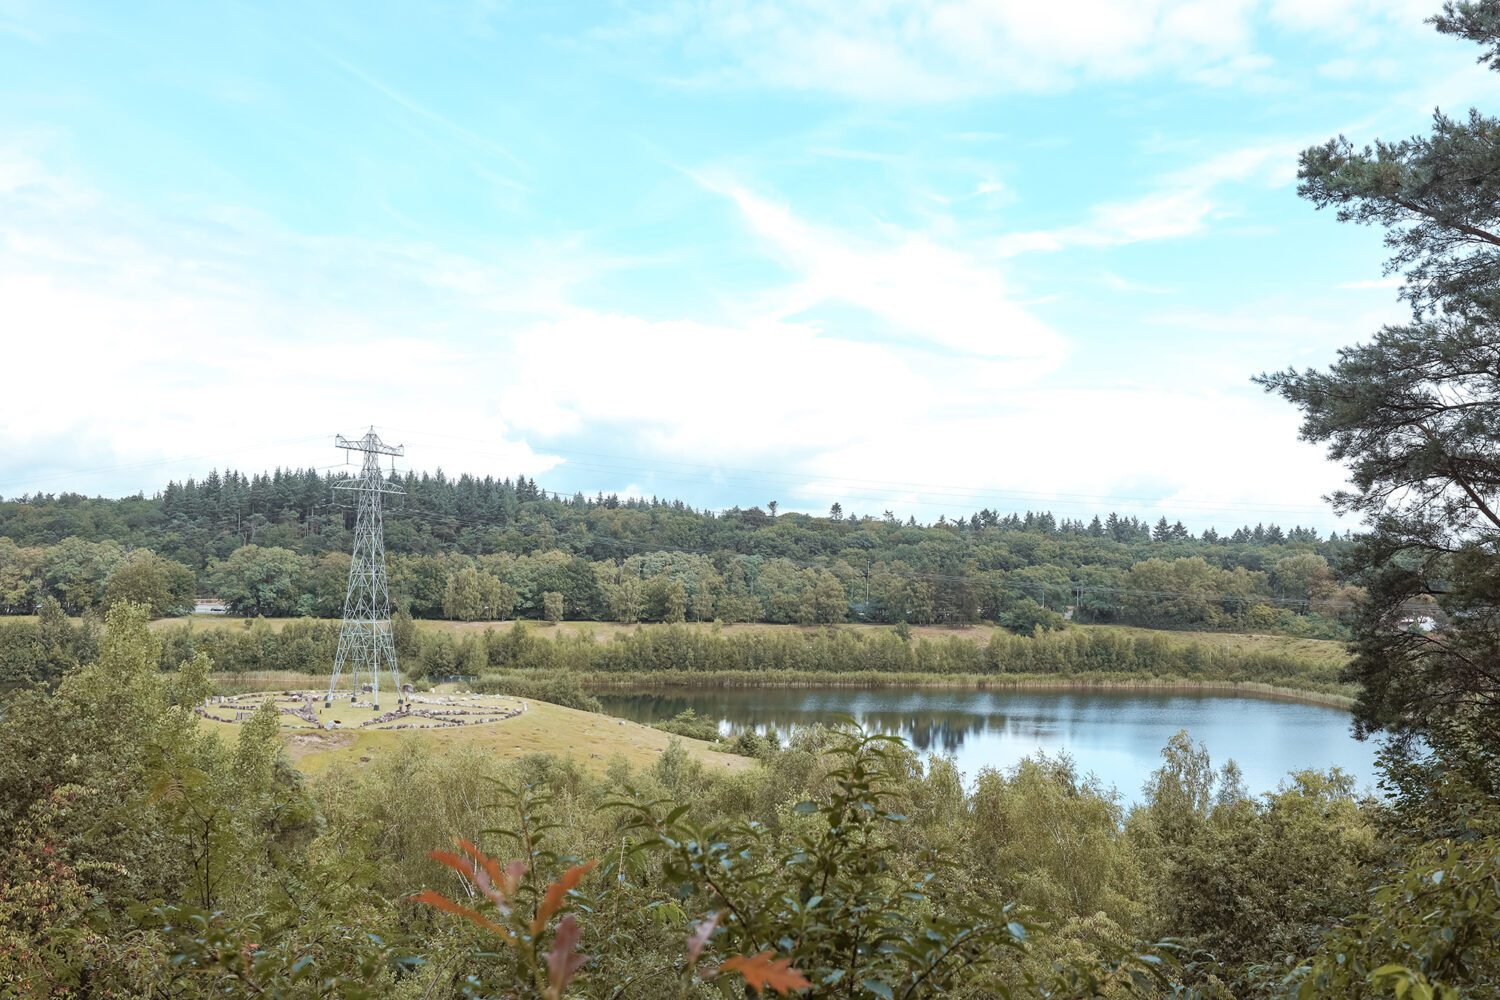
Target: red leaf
{"x": 553, "y": 900}
{"x": 484, "y": 862}
{"x": 484, "y": 871}
{"x": 442, "y": 902}
{"x": 562, "y": 959}
{"x": 760, "y": 972}
{"x": 453, "y": 861}
{"x": 497, "y": 885}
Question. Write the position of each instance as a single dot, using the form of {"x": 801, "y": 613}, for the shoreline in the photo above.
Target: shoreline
{"x": 640, "y": 683}
{"x": 600, "y": 683}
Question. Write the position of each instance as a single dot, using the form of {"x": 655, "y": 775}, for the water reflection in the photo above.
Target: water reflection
{"x": 1116, "y": 735}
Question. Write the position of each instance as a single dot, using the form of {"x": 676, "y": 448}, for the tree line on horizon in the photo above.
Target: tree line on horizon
{"x": 297, "y": 508}
{"x": 472, "y": 549}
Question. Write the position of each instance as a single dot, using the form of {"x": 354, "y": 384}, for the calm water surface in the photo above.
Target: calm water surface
{"x": 1116, "y": 735}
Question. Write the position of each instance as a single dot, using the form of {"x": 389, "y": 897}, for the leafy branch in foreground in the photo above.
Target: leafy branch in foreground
{"x": 821, "y": 907}
{"x": 825, "y": 899}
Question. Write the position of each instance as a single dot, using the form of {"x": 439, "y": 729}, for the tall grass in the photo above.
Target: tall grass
{"x": 265, "y": 680}
{"x": 1331, "y": 695}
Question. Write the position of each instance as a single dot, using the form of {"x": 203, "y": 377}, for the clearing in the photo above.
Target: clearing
{"x": 519, "y": 727}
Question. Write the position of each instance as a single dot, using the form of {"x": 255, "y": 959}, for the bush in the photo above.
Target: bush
{"x": 1027, "y": 617}
{"x": 554, "y": 688}
{"x": 688, "y": 723}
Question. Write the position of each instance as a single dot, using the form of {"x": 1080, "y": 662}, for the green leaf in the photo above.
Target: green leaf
{"x": 879, "y": 988}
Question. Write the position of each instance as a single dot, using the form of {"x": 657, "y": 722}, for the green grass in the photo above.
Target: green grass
{"x": 590, "y": 739}
{"x": 1334, "y": 696}
{"x": 1329, "y": 650}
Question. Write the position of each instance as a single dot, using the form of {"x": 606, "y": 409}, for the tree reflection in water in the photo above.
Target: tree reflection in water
{"x": 1116, "y": 735}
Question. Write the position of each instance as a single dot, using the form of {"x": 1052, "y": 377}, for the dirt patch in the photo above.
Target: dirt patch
{"x": 306, "y": 743}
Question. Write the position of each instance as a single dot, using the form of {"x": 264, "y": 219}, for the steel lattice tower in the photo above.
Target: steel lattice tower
{"x": 366, "y": 644}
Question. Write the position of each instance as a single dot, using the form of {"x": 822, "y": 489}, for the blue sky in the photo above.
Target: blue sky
{"x": 919, "y": 257}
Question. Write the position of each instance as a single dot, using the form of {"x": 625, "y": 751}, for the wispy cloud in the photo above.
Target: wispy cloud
{"x": 1116, "y": 283}
{"x": 956, "y": 49}
{"x": 1184, "y": 203}
{"x": 929, "y": 291}
{"x": 475, "y": 140}
{"x": 947, "y": 50}
{"x": 1394, "y": 281}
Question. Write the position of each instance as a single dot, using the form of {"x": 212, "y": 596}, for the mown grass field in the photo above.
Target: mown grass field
{"x": 592, "y": 740}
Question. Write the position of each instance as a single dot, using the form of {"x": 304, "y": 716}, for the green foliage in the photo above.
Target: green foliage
{"x": 258, "y": 580}
{"x": 313, "y": 938}
{"x": 166, "y": 587}
{"x": 42, "y": 650}
{"x": 186, "y": 866}
{"x": 828, "y": 899}
{"x": 475, "y": 596}
{"x": 271, "y": 545}
{"x": 518, "y": 902}
{"x": 1432, "y": 930}
{"x": 1027, "y": 617}
{"x": 555, "y": 688}
{"x": 688, "y": 723}
{"x": 1415, "y": 415}
{"x": 1051, "y": 840}
{"x": 76, "y": 820}
{"x": 1429, "y": 926}
{"x": 680, "y": 653}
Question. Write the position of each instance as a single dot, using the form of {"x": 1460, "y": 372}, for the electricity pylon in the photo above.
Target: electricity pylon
{"x": 365, "y": 640}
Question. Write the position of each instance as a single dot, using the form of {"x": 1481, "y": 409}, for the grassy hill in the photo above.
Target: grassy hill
{"x": 592, "y": 740}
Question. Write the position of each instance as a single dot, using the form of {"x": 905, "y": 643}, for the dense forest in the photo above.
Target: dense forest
{"x": 471, "y": 549}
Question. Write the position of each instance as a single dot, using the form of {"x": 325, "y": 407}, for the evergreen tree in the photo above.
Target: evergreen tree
{"x": 1415, "y": 413}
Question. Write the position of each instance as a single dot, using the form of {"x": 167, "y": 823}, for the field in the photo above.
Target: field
{"x": 1327, "y": 651}
{"x": 592, "y": 740}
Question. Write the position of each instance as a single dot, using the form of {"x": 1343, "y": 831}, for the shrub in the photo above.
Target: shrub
{"x": 554, "y": 688}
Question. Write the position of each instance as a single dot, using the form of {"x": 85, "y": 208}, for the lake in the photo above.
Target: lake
{"x": 1117, "y": 735}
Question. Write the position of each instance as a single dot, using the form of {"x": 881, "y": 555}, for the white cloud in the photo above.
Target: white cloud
{"x": 170, "y": 348}
{"x": 1184, "y": 204}
{"x": 1356, "y": 22}
{"x": 1119, "y": 284}
{"x": 1029, "y": 461}
{"x": 142, "y": 341}
{"x": 1394, "y": 281}
{"x": 923, "y": 288}
{"x": 890, "y": 50}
